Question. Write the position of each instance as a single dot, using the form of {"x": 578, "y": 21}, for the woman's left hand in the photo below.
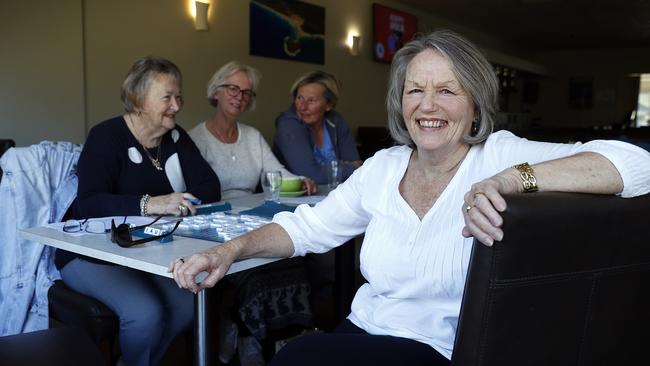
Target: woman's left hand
{"x": 309, "y": 185}
{"x": 483, "y": 206}
{"x": 177, "y": 204}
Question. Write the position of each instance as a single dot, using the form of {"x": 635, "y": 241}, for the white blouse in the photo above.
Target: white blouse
{"x": 415, "y": 270}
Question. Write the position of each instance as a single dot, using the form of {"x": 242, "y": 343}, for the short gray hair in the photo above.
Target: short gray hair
{"x": 137, "y": 81}
{"x": 473, "y": 71}
{"x": 227, "y": 70}
{"x": 327, "y": 80}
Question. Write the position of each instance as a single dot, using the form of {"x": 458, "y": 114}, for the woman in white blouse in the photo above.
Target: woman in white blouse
{"x": 420, "y": 204}
{"x": 238, "y": 153}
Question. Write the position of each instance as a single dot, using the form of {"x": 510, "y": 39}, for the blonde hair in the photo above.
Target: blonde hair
{"x": 327, "y": 80}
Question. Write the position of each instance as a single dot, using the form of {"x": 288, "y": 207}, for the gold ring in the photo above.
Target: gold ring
{"x": 182, "y": 209}
{"x": 468, "y": 208}
{"x": 478, "y": 194}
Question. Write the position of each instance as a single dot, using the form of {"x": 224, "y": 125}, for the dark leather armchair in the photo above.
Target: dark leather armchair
{"x": 5, "y": 144}
{"x": 568, "y": 285}
{"x": 70, "y": 308}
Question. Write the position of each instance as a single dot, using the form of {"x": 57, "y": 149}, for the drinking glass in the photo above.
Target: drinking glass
{"x": 271, "y": 183}
{"x": 333, "y": 174}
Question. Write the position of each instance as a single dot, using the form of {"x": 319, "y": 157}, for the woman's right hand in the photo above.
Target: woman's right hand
{"x": 177, "y": 204}
{"x": 215, "y": 261}
{"x": 309, "y": 185}
{"x": 355, "y": 163}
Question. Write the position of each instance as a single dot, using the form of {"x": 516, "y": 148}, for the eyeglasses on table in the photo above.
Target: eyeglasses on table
{"x": 92, "y": 227}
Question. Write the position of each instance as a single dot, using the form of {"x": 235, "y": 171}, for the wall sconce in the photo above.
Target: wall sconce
{"x": 355, "y": 45}
{"x": 201, "y": 18}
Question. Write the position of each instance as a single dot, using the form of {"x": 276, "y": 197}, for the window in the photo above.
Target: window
{"x": 643, "y": 105}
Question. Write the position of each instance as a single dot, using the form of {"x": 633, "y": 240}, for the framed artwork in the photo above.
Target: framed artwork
{"x": 392, "y": 29}
{"x": 289, "y": 30}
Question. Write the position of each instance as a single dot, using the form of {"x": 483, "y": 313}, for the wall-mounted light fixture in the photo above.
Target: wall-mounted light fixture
{"x": 201, "y": 17}
{"x": 354, "y": 43}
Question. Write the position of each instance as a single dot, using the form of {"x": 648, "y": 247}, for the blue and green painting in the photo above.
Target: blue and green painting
{"x": 290, "y": 30}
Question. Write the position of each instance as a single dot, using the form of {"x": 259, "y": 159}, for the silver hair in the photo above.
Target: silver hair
{"x": 473, "y": 71}
{"x": 137, "y": 81}
{"x": 227, "y": 70}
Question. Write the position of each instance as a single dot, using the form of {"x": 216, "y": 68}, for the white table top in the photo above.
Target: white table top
{"x": 153, "y": 257}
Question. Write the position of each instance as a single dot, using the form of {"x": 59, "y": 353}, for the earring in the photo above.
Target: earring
{"x": 474, "y": 129}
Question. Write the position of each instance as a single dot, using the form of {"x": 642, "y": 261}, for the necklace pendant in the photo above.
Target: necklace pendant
{"x": 156, "y": 164}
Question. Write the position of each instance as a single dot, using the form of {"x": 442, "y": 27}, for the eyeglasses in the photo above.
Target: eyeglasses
{"x": 234, "y": 90}
{"x": 122, "y": 233}
{"x": 309, "y": 101}
{"x": 93, "y": 227}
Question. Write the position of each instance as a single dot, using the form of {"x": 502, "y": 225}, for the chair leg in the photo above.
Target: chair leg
{"x": 107, "y": 349}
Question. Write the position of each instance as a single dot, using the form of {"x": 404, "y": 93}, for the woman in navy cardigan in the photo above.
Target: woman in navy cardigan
{"x": 311, "y": 134}
{"x": 140, "y": 163}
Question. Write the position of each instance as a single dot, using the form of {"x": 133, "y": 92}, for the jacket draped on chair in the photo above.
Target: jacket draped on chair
{"x": 38, "y": 186}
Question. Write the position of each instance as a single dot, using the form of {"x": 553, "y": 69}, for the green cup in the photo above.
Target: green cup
{"x": 291, "y": 184}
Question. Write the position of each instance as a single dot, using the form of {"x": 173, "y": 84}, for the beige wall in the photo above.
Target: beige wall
{"x": 41, "y": 78}
{"x": 69, "y": 57}
{"x": 171, "y": 34}
{"x": 63, "y": 62}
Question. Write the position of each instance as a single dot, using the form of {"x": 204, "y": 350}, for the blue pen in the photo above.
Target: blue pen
{"x": 195, "y": 201}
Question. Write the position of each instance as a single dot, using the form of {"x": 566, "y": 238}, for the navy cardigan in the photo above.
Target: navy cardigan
{"x": 293, "y": 145}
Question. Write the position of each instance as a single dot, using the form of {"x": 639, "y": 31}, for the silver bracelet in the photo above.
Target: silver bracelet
{"x": 144, "y": 202}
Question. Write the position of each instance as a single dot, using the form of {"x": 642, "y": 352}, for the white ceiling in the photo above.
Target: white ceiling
{"x": 542, "y": 25}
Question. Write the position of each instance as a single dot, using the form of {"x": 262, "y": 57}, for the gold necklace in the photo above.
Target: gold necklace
{"x": 155, "y": 162}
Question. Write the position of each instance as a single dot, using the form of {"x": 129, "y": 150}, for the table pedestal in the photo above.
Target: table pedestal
{"x": 204, "y": 340}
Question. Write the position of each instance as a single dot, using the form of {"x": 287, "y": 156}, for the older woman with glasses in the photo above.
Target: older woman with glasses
{"x": 139, "y": 163}
{"x": 311, "y": 134}
{"x": 237, "y": 152}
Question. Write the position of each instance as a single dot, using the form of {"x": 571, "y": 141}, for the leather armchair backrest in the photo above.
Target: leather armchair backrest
{"x": 568, "y": 285}
{"x": 5, "y": 144}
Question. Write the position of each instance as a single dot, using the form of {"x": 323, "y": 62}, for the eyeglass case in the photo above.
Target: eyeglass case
{"x": 149, "y": 231}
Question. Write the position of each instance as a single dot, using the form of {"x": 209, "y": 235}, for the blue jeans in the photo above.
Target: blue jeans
{"x": 151, "y": 308}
